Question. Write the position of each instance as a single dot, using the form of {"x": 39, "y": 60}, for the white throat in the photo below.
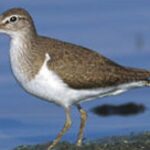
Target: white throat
{"x": 18, "y": 47}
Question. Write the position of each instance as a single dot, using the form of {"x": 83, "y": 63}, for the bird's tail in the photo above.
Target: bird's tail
{"x": 139, "y": 75}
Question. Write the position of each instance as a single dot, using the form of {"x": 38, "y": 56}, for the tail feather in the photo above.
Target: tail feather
{"x": 139, "y": 75}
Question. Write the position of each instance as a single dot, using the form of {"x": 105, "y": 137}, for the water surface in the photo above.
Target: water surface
{"x": 118, "y": 29}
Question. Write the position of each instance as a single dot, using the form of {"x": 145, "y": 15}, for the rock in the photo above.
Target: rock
{"x": 131, "y": 142}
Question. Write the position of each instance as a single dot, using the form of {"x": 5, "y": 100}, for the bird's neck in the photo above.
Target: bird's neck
{"x": 21, "y": 53}
{"x": 25, "y": 37}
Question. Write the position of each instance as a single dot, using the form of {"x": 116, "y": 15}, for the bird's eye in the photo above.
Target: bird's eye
{"x": 13, "y": 19}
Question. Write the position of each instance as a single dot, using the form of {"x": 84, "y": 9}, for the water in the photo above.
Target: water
{"x": 117, "y": 29}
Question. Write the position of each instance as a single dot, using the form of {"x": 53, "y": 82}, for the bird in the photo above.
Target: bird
{"x": 63, "y": 73}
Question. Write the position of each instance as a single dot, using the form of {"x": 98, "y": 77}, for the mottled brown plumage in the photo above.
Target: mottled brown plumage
{"x": 82, "y": 68}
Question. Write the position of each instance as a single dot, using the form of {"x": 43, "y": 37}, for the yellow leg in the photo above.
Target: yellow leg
{"x": 82, "y": 125}
{"x": 63, "y": 131}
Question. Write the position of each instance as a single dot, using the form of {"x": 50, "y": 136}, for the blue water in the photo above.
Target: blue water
{"x": 118, "y": 29}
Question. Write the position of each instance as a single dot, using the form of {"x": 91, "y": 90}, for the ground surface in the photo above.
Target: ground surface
{"x": 132, "y": 142}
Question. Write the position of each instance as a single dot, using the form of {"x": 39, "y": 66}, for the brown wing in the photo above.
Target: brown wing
{"x": 82, "y": 68}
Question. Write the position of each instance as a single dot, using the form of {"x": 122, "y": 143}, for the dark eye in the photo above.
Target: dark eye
{"x": 13, "y": 19}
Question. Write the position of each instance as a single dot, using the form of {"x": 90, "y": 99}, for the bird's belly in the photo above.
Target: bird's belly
{"x": 50, "y": 87}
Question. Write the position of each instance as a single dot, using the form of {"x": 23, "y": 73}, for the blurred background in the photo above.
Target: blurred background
{"x": 117, "y": 29}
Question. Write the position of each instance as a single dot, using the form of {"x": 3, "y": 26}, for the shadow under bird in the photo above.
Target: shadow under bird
{"x": 61, "y": 72}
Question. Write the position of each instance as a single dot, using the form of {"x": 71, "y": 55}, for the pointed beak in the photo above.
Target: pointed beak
{"x": 2, "y": 25}
{"x": 1, "y": 22}
{"x": 1, "y": 17}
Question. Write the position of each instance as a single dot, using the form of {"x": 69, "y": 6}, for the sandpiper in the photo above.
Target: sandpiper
{"x": 61, "y": 72}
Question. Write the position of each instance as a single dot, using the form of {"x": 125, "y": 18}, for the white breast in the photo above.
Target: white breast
{"x": 17, "y": 48}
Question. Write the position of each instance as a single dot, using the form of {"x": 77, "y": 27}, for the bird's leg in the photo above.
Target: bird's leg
{"x": 83, "y": 116}
{"x": 64, "y": 129}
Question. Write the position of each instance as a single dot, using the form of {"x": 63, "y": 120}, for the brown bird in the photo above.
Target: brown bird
{"x": 61, "y": 72}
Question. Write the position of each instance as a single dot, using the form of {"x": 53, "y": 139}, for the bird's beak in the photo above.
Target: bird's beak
{"x": 2, "y": 25}
{"x": 0, "y": 21}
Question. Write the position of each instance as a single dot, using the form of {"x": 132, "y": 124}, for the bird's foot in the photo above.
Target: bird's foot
{"x": 51, "y": 146}
{"x": 79, "y": 143}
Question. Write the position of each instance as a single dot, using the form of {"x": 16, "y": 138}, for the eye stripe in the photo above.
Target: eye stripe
{"x": 7, "y": 20}
{"x": 21, "y": 18}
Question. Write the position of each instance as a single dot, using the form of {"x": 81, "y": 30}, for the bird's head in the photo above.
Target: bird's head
{"x": 15, "y": 21}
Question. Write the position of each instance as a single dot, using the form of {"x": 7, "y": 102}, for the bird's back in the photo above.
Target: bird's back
{"x": 82, "y": 68}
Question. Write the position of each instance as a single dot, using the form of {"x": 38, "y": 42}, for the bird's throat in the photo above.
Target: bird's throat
{"x": 20, "y": 56}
